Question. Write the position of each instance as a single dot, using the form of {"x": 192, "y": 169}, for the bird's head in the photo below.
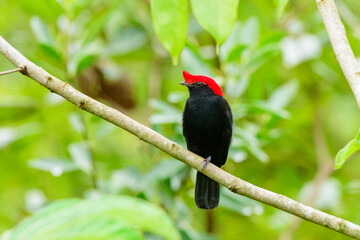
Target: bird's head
{"x": 199, "y": 84}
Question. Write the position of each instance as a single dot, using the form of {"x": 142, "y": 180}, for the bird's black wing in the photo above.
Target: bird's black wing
{"x": 189, "y": 130}
{"x": 227, "y": 122}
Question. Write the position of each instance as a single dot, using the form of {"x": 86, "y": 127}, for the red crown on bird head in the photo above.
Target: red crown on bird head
{"x": 200, "y": 78}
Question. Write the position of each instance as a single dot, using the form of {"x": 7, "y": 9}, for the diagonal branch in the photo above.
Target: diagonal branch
{"x": 150, "y": 136}
{"x": 344, "y": 54}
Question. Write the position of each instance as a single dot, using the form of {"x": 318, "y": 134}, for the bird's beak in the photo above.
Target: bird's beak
{"x": 185, "y": 84}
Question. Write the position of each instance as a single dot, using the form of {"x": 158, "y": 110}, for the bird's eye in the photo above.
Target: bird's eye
{"x": 199, "y": 83}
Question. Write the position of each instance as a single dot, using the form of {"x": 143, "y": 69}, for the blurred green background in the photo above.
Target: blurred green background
{"x": 293, "y": 111}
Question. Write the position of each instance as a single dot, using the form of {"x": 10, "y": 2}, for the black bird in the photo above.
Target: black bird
{"x": 207, "y": 128}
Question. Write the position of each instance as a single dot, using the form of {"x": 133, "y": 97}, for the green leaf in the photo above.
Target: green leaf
{"x": 283, "y": 95}
{"x": 235, "y": 53}
{"x": 77, "y": 123}
{"x": 163, "y": 106}
{"x": 85, "y": 62}
{"x": 236, "y": 88}
{"x": 248, "y": 140}
{"x": 194, "y": 63}
{"x": 164, "y": 170}
{"x": 41, "y": 32}
{"x": 43, "y": 37}
{"x": 262, "y": 55}
{"x": 123, "y": 180}
{"x": 250, "y": 31}
{"x": 329, "y": 194}
{"x": 261, "y": 107}
{"x": 9, "y": 135}
{"x": 345, "y": 153}
{"x": 55, "y": 166}
{"x": 280, "y": 7}
{"x": 242, "y": 205}
{"x": 81, "y": 155}
{"x": 350, "y": 148}
{"x": 108, "y": 217}
{"x": 177, "y": 97}
{"x": 170, "y": 20}
{"x": 218, "y": 17}
{"x": 81, "y": 60}
{"x": 165, "y": 118}
{"x": 95, "y": 26}
{"x": 167, "y": 113}
{"x": 125, "y": 41}
{"x": 17, "y": 101}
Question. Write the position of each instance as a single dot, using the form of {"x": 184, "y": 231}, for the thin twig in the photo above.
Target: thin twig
{"x": 146, "y": 134}
{"x": 10, "y": 71}
{"x": 93, "y": 173}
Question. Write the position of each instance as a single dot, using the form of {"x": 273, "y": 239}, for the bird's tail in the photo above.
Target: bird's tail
{"x": 207, "y": 192}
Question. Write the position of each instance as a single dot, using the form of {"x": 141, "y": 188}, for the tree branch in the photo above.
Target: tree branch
{"x": 148, "y": 135}
{"x": 344, "y": 54}
{"x": 10, "y": 71}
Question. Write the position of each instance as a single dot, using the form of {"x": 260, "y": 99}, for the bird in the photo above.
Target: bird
{"x": 207, "y": 128}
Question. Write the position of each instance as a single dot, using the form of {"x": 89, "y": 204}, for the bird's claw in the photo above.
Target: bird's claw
{"x": 206, "y": 160}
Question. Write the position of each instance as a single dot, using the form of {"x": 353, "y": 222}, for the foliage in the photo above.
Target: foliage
{"x": 350, "y": 148}
{"x": 170, "y": 19}
{"x": 293, "y": 111}
{"x": 103, "y": 218}
{"x": 218, "y": 17}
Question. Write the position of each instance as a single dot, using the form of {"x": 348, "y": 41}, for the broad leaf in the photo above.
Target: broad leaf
{"x": 350, "y": 148}
{"x": 218, "y": 17}
{"x": 104, "y": 218}
{"x": 170, "y": 20}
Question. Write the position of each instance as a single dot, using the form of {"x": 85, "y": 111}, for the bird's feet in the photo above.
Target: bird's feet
{"x": 206, "y": 160}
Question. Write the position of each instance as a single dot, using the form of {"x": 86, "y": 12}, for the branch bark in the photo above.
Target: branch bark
{"x": 146, "y": 134}
{"x": 343, "y": 52}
